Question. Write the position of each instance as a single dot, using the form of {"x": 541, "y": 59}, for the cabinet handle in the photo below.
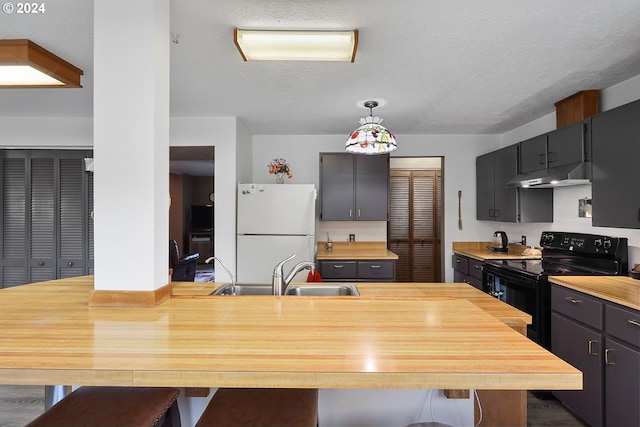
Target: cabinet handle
{"x": 634, "y": 322}
{"x": 552, "y": 157}
{"x": 349, "y": 213}
{"x": 338, "y": 266}
{"x": 70, "y": 264}
{"x": 541, "y": 159}
{"x": 358, "y": 213}
{"x": 375, "y": 266}
{"x": 607, "y": 361}
{"x": 476, "y": 266}
{"x": 491, "y": 213}
{"x": 572, "y": 301}
{"x": 40, "y": 263}
{"x": 590, "y": 350}
{"x": 496, "y": 213}
{"x": 458, "y": 260}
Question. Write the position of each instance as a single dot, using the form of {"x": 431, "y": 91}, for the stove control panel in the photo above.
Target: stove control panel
{"x": 585, "y": 243}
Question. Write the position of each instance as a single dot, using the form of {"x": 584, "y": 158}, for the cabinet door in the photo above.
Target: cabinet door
{"x": 484, "y": 187}
{"x": 336, "y": 186}
{"x": 533, "y": 154}
{"x": 615, "y": 189}
{"x": 582, "y": 348}
{"x": 622, "y": 388}
{"x": 372, "y": 187}
{"x": 505, "y": 199}
{"x": 568, "y": 145}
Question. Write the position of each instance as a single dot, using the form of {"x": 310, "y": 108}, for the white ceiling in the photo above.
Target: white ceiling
{"x": 438, "y": 66}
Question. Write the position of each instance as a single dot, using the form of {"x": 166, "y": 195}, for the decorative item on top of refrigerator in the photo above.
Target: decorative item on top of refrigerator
{"x": 274, "y": 221}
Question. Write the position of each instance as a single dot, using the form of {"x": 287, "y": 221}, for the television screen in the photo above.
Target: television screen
{"x": 201, "y": 217}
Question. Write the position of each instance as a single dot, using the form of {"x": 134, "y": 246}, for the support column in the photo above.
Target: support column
{"x": 131, "y": 152}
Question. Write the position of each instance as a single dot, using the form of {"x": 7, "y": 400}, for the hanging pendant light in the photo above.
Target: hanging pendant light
{"x": 371, "y": 137}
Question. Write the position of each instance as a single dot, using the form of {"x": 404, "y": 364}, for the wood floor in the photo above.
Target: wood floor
{"x": 21, "y": 404}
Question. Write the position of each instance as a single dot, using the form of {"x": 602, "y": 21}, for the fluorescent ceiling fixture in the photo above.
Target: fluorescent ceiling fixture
{"x": 24, "y": 64}
{"x": 268, "y": 45}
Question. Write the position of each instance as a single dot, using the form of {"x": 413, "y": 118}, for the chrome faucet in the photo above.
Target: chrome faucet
{"x": 279, "y": 282}
{"x": 233, "y": 280}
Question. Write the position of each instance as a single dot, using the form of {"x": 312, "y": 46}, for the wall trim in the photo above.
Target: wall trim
{"x": 138, "y": 299}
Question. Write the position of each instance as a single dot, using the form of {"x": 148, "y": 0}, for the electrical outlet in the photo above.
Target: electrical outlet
{"x": 524, "y": 240}
{"x": 352, "y": 237}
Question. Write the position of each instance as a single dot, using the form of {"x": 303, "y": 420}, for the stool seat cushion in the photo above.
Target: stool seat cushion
{"x": 112, "y": 406}
{"x": 246, "y": 407}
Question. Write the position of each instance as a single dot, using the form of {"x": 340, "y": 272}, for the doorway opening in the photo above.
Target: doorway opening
{"x": 414, "y": 230}
{"x": 192, "y": 209}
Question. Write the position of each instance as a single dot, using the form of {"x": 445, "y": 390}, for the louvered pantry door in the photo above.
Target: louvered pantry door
{"x": 414, "y": 228}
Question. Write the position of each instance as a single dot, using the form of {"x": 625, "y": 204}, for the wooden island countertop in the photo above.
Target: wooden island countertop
{"x": 425, "y": 340}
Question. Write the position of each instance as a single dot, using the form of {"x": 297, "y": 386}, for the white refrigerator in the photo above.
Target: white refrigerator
{"x": 274, "y": 222}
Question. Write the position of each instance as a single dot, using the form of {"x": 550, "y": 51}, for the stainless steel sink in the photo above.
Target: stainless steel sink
{"x": 294, "y": 289}
{"x": 322, "y": 290}
{"x": 243, "y": 289}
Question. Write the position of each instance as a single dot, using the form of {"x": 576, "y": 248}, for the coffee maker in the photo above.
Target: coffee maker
{"x": 499, "y": 243}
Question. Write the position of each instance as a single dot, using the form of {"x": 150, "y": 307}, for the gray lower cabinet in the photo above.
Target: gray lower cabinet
{"x": 467, "y": 270}
{"x": 496, "y": 202}
{"x": 357, "y": 270}
{"x": 615, "y": 177}
{"x": 601, "y": 339}
{"x": 45, "y": 202}
{"x": 354, "y": 187}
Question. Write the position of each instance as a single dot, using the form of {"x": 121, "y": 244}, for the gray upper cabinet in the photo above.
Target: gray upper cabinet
{"x": 46, "y": 198}
{"x": 354, "y": 187}
{"x": 496, "y": 202}
{"x": 615, "y": 175}
{"x": 567, "y": 145}
{"x": 533, "y": 154}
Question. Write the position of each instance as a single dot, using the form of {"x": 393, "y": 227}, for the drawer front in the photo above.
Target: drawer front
{"x": 460, "y": 264}
{"x": 475, "y": 268}
{"x": 578, "y": 306}
{"x": 623, "y": 323}
{"x": 338, "y": 270}
{"x": 376, "y": 270}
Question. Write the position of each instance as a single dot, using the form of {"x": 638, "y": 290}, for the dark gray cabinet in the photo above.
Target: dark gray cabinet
{"x": 601, "y": 339}
{"x": 564, "y": 146}
{"x": 467, "y": 270}
{"x": 46, "y": 198}
{"x": 354, "y": 187}
{"x": 615, "y": 175}
{"x": 496, "y": 202}
{"x": 357, "y": 270}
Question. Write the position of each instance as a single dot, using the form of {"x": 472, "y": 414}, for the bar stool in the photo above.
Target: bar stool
{"x": 260, "y": 407}
{"x": 114, "y": 406}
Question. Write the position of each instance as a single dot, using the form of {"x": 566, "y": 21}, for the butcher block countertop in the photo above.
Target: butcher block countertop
{"x": 355, "y": 251}
{"x": 52, "y": 336}
{"x": 479, "y": 251}
{"x": 619, "y": 289}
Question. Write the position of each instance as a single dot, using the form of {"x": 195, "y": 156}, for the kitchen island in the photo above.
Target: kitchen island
{"x": 414, "y": 338}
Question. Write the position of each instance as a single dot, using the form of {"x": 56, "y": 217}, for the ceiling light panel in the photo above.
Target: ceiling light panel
{"x": 269, "y": 45}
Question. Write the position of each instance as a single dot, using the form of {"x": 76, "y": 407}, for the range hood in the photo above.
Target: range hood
{"x": 562, "y": 176}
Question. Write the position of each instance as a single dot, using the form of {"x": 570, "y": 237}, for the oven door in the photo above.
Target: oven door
{"x": 518, "y": 290}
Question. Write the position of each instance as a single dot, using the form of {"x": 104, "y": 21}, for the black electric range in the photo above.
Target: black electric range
{"x": 524, "y": 284}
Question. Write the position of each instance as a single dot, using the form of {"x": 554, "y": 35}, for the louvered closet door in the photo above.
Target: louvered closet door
{"x": 13, "y": 249}
{"x": 414, "y": 226}
{"x": 41, "y": 227}
{"x": 72, "y": 245}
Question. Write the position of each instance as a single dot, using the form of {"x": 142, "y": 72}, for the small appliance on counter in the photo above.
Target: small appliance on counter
{"x": 499, "y": 243}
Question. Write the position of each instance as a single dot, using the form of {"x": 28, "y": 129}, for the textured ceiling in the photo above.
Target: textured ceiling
{"x": 457, "y": 66}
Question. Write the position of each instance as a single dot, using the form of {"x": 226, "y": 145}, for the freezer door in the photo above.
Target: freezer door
{"x": 258, "y": 255}
{"x": 276, "y": 209}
